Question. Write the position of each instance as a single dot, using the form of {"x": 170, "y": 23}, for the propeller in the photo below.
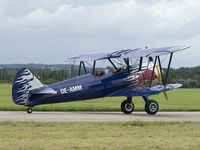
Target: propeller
{"x": 165, "y": 94}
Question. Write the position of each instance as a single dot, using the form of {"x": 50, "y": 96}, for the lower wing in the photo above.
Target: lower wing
{"x": 145, "y": 91}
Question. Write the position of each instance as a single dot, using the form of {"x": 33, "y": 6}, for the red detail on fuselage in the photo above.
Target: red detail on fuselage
{"x": 55, "y": 93}
{"x": 146, "y": 76}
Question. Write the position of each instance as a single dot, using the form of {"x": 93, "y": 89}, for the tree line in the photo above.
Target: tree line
{"x": 46, "y": 75}
{"x": 189, "y": 77}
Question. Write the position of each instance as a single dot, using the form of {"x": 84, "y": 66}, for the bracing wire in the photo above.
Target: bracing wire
{"x": 88, "y": 64}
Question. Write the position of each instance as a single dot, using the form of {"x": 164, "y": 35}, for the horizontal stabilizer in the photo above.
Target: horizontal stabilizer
{"x": 43, "y": 90}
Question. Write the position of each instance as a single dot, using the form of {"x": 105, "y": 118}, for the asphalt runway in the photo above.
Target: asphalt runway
{"x": 96, "y": 116}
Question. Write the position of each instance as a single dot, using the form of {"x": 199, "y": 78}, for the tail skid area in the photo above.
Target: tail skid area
{"x": 24, "y": 82}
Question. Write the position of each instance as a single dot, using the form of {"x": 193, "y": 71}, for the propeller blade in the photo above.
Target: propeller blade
{"x": 166, "y": 97}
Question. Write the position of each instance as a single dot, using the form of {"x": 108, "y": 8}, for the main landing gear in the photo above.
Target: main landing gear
{"x": 29, "y": 110}
{"x": 151, "y": 106}
{"x": 127, "y": 106}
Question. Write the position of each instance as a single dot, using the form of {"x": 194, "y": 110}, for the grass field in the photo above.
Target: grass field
{"x": 96, "y": 135}
{"x": 179, "y": 100}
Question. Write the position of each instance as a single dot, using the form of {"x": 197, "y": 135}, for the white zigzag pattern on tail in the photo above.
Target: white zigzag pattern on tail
{"x": 28, "y": 82}
{"x": 22, "y": 99}
{"x": 25, "y": 88}
{"x": 27, "y": 75}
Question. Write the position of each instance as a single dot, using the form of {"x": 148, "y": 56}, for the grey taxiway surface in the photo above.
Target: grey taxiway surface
{"x": 97, "y": 116}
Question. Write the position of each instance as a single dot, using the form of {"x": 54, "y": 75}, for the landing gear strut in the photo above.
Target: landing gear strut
{"x": 29, "y": 110}
{"x": 127, "y": 106}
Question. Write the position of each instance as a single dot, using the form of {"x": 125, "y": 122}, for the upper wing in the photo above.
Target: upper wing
{"x": 99, "y": 56}
{"x": 87, "y": 57}
{"x": 128, "y": 53}
{"x": 154, "y": 51}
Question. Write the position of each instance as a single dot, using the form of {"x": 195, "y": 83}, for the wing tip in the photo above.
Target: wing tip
{"x": 185, "y": 47}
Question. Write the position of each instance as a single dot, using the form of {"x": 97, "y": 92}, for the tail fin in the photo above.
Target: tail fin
{"x": 23, "y": 83}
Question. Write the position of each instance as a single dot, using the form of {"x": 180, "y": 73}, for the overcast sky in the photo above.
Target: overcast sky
{"x": 50, "y": 31}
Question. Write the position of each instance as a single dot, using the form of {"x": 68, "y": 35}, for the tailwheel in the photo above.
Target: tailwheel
{"x": 127, "y": 107}
{"x": 151, "y": 107}
{"x": 29, "y": 110}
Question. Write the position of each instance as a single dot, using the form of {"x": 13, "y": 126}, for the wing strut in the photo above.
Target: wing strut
{"x": 164, "y": 81}
{"x": 84, "y": 67}
{"x": 79, "y": 70}
{"x": 128, "y": 66}
{"x": 170, "y": 59}
{"x": 153, "y": 71}
{"x": 127, "y": 63}
{"x": 93, "y": 69}
{"x": 140, "y": 67}
{"x": 112, "y": 64}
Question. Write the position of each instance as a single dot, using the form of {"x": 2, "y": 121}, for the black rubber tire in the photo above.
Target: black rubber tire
{"x": 29, "y": 110}
{"x": 127, "y": 107}
{"x": 151, "y": 107}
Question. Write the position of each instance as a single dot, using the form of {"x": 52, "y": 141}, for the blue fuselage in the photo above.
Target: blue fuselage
{"x": 83, "y": 88}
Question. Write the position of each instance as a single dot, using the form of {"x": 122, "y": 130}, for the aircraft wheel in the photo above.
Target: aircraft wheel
{"x": 151, "y": 107}
{"x": 127, "y": 107}
{"x": 29, "y": 110}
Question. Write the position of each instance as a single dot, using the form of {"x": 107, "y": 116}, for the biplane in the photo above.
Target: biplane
{"x": 140, "y": 73}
